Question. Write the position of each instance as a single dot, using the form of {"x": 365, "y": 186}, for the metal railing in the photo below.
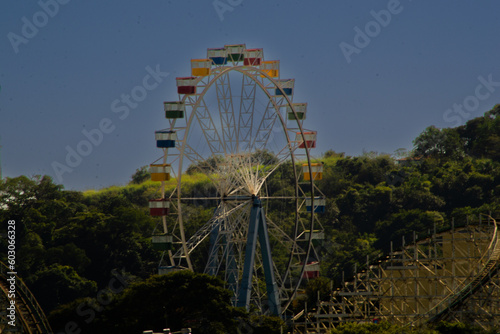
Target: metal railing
{"x": 35, "y": 320}
{"x": 492, "y": 265}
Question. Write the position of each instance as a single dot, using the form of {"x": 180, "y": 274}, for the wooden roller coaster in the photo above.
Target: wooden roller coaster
{"x": 452, "y": 275}
{"x": 29, "y": 316}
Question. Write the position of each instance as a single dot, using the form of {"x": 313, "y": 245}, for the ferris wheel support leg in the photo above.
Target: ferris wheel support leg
{"x": 231, "y": 270}
{"x": 213, "y": 259}
{"x": 272, "y": 287}
{"x": 258, "y": 227}
{"x": 246, "y": 281}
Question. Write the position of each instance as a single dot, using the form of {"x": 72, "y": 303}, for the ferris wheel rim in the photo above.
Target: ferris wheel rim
{"x": 244, "y": 70}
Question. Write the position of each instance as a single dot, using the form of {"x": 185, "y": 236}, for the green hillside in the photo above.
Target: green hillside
{"x": 71, "y": 244}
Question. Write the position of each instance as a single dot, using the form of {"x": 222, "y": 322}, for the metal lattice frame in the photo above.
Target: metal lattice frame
{"x": 233, "y": 127}
{"x": 452, "y": 275}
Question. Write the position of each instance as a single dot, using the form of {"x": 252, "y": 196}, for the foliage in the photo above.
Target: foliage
{"x": 345, "y": 252}
{"x": 378, "y": 328}
{"x": 69, "y": 242}
{"x": 60, "y": 284}
{"x": 206, "y": 166}
{"x": 318, "y": 289}
{"x": 458, "y": 328}
{"x": 263, "y": 324}
{"x": 434, "y": 142}
{"x": 177, "y": 300}
{"x": 478, "y": 138}
{"x": 387, "y": 328}
{"x": 141, "y": 174}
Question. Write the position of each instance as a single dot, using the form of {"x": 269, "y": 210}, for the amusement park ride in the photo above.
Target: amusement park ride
{"x": 232, "y": 114}
{"x": 233, "y": 106}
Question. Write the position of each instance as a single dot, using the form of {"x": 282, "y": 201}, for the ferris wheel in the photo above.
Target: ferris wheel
{"x": 236, "y": 127}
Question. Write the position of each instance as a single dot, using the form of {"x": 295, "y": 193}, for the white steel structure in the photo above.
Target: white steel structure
{"x": 231, "y": 112}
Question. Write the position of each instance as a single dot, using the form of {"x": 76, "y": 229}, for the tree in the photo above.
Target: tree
{"x": 59, "y": 284}
{"x": 141, "y": 174}
{"x": 181, "y": 299}
{"x": 378, "y": 328}
{"x": 319, "y": 287}
{"x": 404, "y": 223}
{"x": 457, "y": 328}
{"x": 206, "y": 166}
{"x": 264, "y": 157}
{"x": 434, "y": 142}
{"x": 401, "y": 153}
{"x": 481, "y": 135}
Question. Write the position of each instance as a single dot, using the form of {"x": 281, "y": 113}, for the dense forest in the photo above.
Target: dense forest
{"x": 87, "y": 256}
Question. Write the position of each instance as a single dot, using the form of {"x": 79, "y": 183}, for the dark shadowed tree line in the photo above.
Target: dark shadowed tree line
{"x": 71, "y": 243}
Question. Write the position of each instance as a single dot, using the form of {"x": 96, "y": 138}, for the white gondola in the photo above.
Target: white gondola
{"x": 217, "y": 56}
{"x": 186, "y": 85}
{"x": 235, "y": 52}
{"x": 159, "y": 207}
{"x": 316, "y": 171}
{"x": 316, "y": 235}
{"x": 286, "y": 86}
{"x": 162, "y": 242}
{"x": 253, "y": 57}
{"x": 300, "y": 110}
{"x": 160, "y": 172}
{"x": 311, "y": 270}
{"x": 319, "y": 204}
{"x": 174, "y": 109}
{"x": 309, "y": 139}
{"x": 201, "y": 67}
{"x": 165, "y": 138}
{"x": 271, "y": 68}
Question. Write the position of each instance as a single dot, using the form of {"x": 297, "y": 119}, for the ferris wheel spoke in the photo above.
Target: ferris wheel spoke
{"x": 207, "y": 228}
{"x": 209, "y": 129}
{"x": 236, "y": 219}
{"x": 196, "y": 159}
{"x": 246, "y": 115}
{"x": 226, "y": 113}
{"x": 265, "y": 128}
{"x": 281, "y": 236}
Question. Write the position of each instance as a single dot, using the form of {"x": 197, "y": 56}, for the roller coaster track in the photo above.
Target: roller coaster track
{"x": 29, "y": 315}
{"x": 492, "y": 266}
{"x": 451, "y": 274}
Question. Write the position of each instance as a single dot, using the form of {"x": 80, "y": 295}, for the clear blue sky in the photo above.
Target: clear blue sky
{"x": 63, "y": 77}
